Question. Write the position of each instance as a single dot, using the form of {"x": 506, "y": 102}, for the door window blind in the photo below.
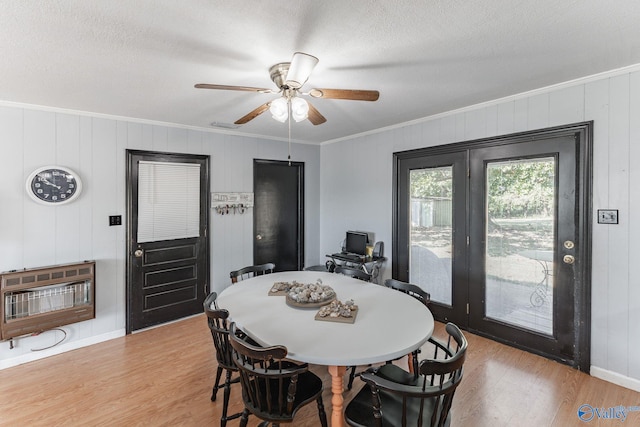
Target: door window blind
{"x": 168, "y": 201}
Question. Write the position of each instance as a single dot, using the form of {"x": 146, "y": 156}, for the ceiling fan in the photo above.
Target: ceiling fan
{"x": 289, "y": 77}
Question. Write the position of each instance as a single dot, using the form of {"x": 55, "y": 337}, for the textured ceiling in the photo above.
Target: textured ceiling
{"x": 141, "y": 58}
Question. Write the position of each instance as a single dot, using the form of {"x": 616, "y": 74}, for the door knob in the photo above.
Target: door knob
{"x": 568, "y": 244}
{"x": 138, "y": 253}
{"x": 259, "y": 237}
{"x": 568, "y": 259}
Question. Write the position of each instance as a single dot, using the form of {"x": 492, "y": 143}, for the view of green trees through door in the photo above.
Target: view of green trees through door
{"x": 520, "y": 206}
{"x": 519, "y": 239}
{"x": 431, "y": 236}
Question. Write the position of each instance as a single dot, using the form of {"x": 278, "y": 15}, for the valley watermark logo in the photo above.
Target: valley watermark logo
{"x": 587, "y": 412}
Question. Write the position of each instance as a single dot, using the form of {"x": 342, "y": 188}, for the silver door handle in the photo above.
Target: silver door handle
{"x": 259, "y": 237}
{"x": 138, "y": 253}
{"x": 568, "y": 259}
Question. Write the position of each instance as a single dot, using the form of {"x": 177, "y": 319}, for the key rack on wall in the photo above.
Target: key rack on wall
{"x": 231, "y": 203}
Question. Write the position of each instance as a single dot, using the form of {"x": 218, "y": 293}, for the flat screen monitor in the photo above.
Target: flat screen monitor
{"x": 356, "y": 243}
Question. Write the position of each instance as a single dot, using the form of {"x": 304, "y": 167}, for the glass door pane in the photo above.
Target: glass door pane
{"x": 431, "y": 235}
{"x": 520, "y": 236}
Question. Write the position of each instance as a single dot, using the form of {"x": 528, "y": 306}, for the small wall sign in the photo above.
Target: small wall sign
{"x": 218, "y": 199}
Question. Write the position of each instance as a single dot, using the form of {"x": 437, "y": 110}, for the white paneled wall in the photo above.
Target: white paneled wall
{"x": 33, "y": 235}
{"x": 348, "y": 186}
{"x": 612, "y": 102}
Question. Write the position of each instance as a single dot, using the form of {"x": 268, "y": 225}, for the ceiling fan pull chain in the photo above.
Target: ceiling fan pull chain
{"x": 289, "y": 122}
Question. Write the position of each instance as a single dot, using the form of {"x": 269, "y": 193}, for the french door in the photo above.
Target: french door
{"x": 497, "y": 232}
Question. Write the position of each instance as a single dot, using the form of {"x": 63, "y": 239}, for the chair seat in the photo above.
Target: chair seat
{"x": 359, "y": 414}
{"x": 396, "y": 374}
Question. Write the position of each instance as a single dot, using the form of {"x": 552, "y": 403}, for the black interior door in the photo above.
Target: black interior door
{"x": 168, "y": 271}
{"x": 278, "y": 214}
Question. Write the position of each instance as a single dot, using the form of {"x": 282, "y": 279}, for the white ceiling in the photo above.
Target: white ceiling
{"x": 141, "y": 58}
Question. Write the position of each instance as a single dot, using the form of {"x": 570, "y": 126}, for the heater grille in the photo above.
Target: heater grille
{"x": 34, "y": 300}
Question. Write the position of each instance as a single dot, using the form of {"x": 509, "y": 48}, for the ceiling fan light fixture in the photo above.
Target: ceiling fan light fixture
{"x": 289, "y": 77}
{"x": 278, "y": 109}
{"x": 300, "y": 69}
{"x": 299, "y": 109}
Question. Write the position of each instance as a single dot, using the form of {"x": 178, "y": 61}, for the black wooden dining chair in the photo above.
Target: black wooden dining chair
{"x": 409, "y": 289}
{"x": 320, "y": 267}
{"x": 356, "y": 273}
{"x": 421, "y": 295}
{"x": 251, "y": 271}
{"x": 219, "y": 326}
{"x": 394, "y": 397}
{"x": 273, "y": 388}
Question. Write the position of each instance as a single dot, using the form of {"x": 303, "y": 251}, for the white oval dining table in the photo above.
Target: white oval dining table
{"x": 389, "y": 324}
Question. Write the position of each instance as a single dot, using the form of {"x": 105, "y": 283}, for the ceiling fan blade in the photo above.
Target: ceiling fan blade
{"x": 300, "y": 69}
{"x": 253, "y": 114}
{"x": 355, "y": 95}
{"x": 226, "y": 87}
{"x": 314, "y": 115}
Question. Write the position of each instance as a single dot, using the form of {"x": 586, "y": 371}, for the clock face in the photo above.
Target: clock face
{"x": 53, "y": 185}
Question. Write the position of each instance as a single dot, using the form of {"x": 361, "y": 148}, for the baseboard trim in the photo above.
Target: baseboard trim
{"x": 165, "y": 323}
{"x": 615, "y": 378}
{"x": 29, "y": 357}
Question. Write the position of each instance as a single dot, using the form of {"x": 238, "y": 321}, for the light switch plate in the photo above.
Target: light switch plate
{"x": 607, "y": 216}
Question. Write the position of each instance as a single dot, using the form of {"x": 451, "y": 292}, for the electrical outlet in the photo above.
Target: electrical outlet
{"x": 115, "y": 220}
{"x": 607, "y": 216}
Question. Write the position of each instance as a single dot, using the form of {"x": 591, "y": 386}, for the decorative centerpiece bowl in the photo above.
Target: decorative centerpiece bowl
{"x": 310, "y": 295}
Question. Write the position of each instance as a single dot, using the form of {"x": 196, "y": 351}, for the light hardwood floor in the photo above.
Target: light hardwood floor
{"x": 163, "y": 377}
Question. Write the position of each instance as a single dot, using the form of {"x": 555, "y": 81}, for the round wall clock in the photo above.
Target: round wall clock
{"x": 54, "y": 185}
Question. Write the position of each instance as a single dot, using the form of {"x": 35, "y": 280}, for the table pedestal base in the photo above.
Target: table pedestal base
{"x": 337, "y": 385}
